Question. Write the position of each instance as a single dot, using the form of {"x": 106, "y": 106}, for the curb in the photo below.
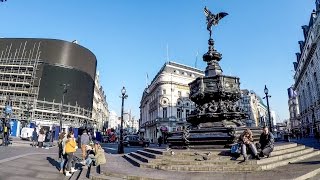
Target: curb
{"x": 23, "y": 155}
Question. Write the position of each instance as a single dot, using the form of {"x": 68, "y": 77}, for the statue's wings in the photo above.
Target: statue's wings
{"x": 208, "y": 14}
{"x": 221, "y": 15}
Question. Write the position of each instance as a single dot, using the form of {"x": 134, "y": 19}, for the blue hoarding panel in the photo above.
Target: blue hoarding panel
{"x": 76, "y": 132}
{"x": 13, "y": 126}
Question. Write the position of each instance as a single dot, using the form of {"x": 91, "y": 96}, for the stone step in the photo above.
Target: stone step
{"x": 290, "y": 160}
{"x": 148, "y": 154}
{"x": 133, "y": 160}
{"x": 157, "y": 151}
{"x": 284, "y": 151}
{"x": 231, "y": 168}
{"x": 211, "y": 168}
{"x": 76, "y": 175}
{"x": 140, "y": 157}
{"x": 220, "y": 159}
{"x": 280, "y": 146}
{"x": 284, "y": 156}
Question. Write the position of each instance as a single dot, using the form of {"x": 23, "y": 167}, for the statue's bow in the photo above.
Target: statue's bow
{"x": 213, "y": 19}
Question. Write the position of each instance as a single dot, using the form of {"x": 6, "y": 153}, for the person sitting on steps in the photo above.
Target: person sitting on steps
{"x": 266, "y": 143}
{"x": 246, "y": 141}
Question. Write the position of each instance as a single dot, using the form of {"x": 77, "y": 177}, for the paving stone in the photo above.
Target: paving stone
{"x": 45, "y": 175}
{"x": 43, "y": 168}
{"x": 15, "y": 171}
{"x": 20, "y": 178}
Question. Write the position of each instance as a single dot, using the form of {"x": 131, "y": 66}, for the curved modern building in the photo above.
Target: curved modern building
{"x": 37, "y": 75}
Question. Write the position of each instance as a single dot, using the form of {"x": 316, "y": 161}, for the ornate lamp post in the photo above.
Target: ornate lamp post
{"x": 120, "y": 146}
{"x": 266, "y": 91}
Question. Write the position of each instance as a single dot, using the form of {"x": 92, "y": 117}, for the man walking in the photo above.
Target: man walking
{"x": 266, "y": 142}
{"x": 34, "y": 137}
{"x": 6, "y": 133}
{"x": 85, "y": 140}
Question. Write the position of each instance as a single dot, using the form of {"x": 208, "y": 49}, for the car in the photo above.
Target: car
{"x": 135, "y": 140}
{"x": 26, "y": 133}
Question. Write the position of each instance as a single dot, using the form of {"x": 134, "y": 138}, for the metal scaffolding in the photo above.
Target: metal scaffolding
{"x": 18, "y": 80}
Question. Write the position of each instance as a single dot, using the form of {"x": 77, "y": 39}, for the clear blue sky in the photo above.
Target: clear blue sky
{"x": 258, "y": 39}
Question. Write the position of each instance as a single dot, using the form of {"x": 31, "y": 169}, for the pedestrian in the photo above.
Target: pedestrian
{"x": 41, "y": 138}
{"x": 266, "y": 142}
{"x": 70, "y": 149}
{"x": 246, "y": 141}
{"x": 85, "y": 140}
{"x": 99, "y": 156}
{"x": 62, "y": 155}
{"x": 159, "y": 141}
{"x": 6, "y": 133}
{"x": 34, "y": 137}
{"x": 90, "y": 156}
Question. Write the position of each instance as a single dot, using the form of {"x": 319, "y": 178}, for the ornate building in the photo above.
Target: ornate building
{"x": 307, "y": 74}
{"x": 293, "y": 109}
{"x": 165, "y": 103}
{"x": 100, "y": 111}
{"x": 253, "y": 106}
{"x": 113, "y": 122}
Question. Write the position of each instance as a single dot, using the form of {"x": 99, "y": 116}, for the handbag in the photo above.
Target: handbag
{"x": 235, "y": 149}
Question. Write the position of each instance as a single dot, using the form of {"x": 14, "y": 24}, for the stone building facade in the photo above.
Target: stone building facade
{"x": 165, "y": 103}
{"x": 307, "y": 74}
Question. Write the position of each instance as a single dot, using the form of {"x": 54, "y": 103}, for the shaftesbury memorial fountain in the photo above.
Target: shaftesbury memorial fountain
{"x": 217, "y": 120}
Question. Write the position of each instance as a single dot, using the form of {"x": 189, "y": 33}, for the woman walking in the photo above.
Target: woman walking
{"x": 41, "y": 138}
{"x": 70, "y": 149}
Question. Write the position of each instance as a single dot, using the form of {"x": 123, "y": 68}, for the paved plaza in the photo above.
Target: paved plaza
{"x": 23, "y": 162}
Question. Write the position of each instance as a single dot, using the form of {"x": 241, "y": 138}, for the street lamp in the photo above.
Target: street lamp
{"x": 266, "y": 91}
{"x": 120, "y": 146}
{"x": 65, "y": 89}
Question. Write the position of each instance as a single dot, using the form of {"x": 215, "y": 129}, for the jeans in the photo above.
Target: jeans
{"x": 88, "y": 161}
{"x": 252, "y": 148}
{"x": 5, "y": 139}
{"x": 63, "y": 162}
{"x": 266, "y": 151}
{"x": 71, "y": 161}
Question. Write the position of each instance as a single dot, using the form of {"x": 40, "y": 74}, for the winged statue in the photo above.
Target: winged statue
{"x": 213, "y": 19}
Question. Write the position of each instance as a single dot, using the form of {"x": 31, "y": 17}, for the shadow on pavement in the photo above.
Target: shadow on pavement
{"x": 53, "y": 162}
{"x": 309, "y": 142}
{"x": 306, "y": 163}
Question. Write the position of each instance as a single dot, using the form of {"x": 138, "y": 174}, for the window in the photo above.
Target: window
{"x": 187, "y": 112}
{"x": 179, "y": 113}
{"x": 164, "y": 91}
{"x": 164, "y": 113}
{"x": 179, "y": 93}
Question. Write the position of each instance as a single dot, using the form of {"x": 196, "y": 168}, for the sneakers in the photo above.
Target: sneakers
{"x": 257, "y": 157}
{"x": 68, "y": 174}
{"x": 73, "y": 170}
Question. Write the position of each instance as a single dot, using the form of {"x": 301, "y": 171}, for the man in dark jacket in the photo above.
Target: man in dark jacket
{"x": 266, "y": 142}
